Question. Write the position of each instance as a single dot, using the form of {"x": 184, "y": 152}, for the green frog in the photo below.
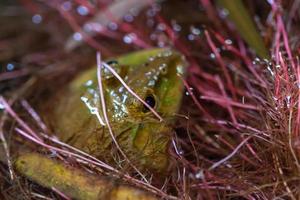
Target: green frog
{"x": 75, "y": 114}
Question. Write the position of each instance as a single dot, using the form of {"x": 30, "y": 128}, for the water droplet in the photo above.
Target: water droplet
{"x": 156, "y": 7}
{"x": 151, "y": 13}
{"x": 151, "y": 83}
{"x": 228, "y": 42}
{"x": 1, "y": 106}
{"x": 199, "y": 175}
{"x": 93, "y": 109}
{"x": 82, "y": 10}
{"x": 87, "y": 27}
{"x": 10, "y": 66}
{"x": 89, "y": 83}
{"x": 129, "y": 38}
{"x": 179, "y": 69}
{"x": 84, "y": 99}
{"x": 150, "y": 22}
{"x": 176, "y": 27}
{"x": 266, "y": 60}
{"x": 270, "y": 70}
{"x": 153, "y": 36}
{"x": 229, "y": 165}
{"x": 195, "y": 31}
{"x": 167, "y": 53}
{"x": 93, "y": 27}
{"x": 91, "y": 91}
{"x": 113, "y": 26}
{"x": 66, "y": 6}
{"x": 162, "y": 66}
{"x": 128, "y": 18}
{"x": 212, "y": 56}
{"x": 77, "y": 36}
{"x": 288, "y": 101}
{"x": 53, "y": 153}
{"x": 161, "y": 27}
{"x": 187, "y": 93}
{"x": 151, "y": 58}
{"x": 161, "y": 44}
{"x": 191, "y": 37}
{"x": 224, "y": 13}
{"x": 36, "y": 19}
{"x": 121, "y": 89}
{"x": 134, "y": 11}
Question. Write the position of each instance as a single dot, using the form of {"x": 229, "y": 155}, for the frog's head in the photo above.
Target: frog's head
{"x": 156, "y": 80}
{"x": 154, "y": 76}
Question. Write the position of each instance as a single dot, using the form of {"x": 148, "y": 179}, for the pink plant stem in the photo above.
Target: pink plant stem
{"x": 7, "y": 152}
{"x": 89, "y": 40}
{"x": 242, "y": 47}
{"x": 297, "y": 127}
{"x": 176, "y": 42}
{"x": 284, "y": 67}
{"x": 67, "y": 153}
{"x": 96, "y": 163}
{"x": 211, "y": 11}
{"x": 99, "y": 69}
{"x": 259, "y": 134}
{"x": 277, "y": 46}
{"x": 31, "y": 6}
{"x": 217, "y": 164}
{"x": 34, "y": 115}
{"x": 18, "y": 119}
{"x": 286, "y": 41}
{"x": 6, "y": 147}
{"x": 241, "y": 55}
{"x": 64, "y": 196}
{"x": 233, "y": 103}
{"x": 200, "y": 107}
{"x": 13, "y": 74}
{"x": 222, "y": 64}
{"x": 226, "y": 100}
{"x": 243, "y": 156}
{"x": 129, "y": 28}
{"x": 252, "y": 151}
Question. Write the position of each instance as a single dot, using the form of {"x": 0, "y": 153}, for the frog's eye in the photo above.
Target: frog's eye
{"x": 150, "y": 100}
{"x": 112, "y": 62}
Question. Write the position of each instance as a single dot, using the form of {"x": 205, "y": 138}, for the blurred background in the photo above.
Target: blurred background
{"x": 237, "y": 135}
